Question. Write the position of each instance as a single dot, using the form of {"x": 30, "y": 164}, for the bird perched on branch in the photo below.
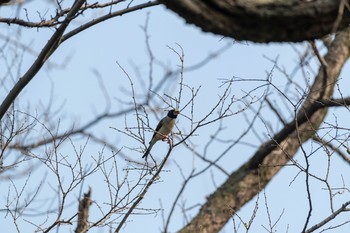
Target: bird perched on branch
{"x": 164, "y": 127}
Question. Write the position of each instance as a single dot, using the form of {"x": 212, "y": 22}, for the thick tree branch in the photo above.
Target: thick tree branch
{"x": 265, "y": 21}
{"x": 83, "y": 214}
{"x": 250, "y": 178}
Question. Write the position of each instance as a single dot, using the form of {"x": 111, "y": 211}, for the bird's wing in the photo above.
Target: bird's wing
{"x": 160, "y": 124}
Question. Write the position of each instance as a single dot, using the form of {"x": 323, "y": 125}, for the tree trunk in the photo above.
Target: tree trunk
{"x": 243, "y": 184}
{"x": 265, "y": 21}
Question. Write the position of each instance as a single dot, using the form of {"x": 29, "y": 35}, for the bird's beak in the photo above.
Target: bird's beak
{"x": 176, "y": 112}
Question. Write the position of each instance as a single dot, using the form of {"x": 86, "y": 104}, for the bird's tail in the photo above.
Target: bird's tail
{"x": 147, "y": 151}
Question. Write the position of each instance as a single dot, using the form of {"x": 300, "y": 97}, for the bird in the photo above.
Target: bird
{"x": 164, "y": 127}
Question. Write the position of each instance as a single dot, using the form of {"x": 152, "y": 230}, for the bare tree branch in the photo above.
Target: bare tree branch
{"x": 144, "y": 191}
{"x": 329, "y": 218}
{"x": 250, "y": 178}
{"x": 45, "y": 53}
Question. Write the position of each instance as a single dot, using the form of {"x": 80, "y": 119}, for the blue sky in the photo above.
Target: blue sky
{"x": 77, "y": 96}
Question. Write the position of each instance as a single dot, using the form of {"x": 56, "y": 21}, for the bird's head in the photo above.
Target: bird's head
{"x": 173, "y": 113}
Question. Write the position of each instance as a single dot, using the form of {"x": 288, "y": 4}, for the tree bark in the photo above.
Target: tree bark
{"x": 243, "y": 184}
{"x": 265, "y": 21}
{"x": 83, "y": 213}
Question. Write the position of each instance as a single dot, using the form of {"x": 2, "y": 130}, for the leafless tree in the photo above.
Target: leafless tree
{"x": 52, "y": 169}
